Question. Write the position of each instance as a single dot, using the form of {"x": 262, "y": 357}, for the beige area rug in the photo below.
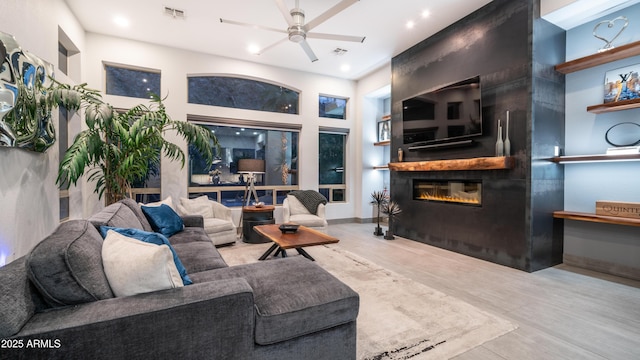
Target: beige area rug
{"x": 399, "y": 318}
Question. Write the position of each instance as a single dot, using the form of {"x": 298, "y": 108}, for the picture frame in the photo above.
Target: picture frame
{"x": 622, "y": 84}
{"x": 384, "y": 130}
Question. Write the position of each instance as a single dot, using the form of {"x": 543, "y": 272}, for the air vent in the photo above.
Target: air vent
{"x": 175, "y": 13}
{"x": 339, "y": 51}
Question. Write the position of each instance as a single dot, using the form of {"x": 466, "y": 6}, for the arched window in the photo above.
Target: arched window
{"x": 242, "y": 93}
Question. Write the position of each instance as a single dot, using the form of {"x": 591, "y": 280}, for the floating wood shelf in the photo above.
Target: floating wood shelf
{"x": 381, "y": 167}
{"x": 386, "y": 117}
{"x": 596, "y": 158}
{"x": 484, "y": 163}
{"x": 617, "y": 53}
{"x": 382, "y": 143}
{"x": 580, "y": 216}
{"x": 614, "y": 106}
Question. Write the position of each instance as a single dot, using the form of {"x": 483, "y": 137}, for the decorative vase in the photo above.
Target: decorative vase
{"x": 389, "y": 234}
{"x": 507, "y": 142}
{"x": 400, "y": 154}
{"x": 499, "y": 142}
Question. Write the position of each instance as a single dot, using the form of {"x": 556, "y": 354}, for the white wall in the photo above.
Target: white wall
{"x": 175, "y": 65}
{"x": 371, "y": 90}
{"x": 28, "y": 193}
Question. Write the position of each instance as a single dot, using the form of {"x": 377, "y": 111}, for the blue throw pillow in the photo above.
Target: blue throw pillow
{"x": 153, "y": 238}
{"x": 163, "y": 219}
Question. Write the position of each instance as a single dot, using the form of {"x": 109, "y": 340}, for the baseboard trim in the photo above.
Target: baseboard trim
{"x": 357, "y": 221}
{"x": 602, "y": 266}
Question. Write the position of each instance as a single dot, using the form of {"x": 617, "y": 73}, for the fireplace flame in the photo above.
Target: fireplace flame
{"x": 472, "y": 199}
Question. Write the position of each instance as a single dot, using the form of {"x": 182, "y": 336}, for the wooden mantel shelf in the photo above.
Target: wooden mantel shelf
{"x": 617, "y": 53}
{"x": 580, "y": 216}
{"x": 483, "y": 163}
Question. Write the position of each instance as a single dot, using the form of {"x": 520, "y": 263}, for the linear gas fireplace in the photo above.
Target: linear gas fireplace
{"x": 464, "y": 192}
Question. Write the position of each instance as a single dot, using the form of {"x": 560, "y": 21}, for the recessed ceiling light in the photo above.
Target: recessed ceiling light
{"x": 345, "y": 67}
{"x": 426, "y": 14}
{"x": 253, "y": 49}
{"x": 121, "y": 21}
{"x": 410, "y": 24}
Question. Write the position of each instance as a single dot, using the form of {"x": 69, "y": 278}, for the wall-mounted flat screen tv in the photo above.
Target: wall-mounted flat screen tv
{"x": 443, "y": 115}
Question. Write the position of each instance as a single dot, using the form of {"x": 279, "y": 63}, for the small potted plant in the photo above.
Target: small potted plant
{"x": 379, "y": 199}
{"x": 392, "y": 209}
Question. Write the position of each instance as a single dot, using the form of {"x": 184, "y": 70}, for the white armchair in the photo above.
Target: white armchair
{"x": 294, "y": 212}
{"x": 218, "y": 223}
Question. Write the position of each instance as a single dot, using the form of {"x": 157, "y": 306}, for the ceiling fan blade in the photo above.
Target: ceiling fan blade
{"x": 285, "y": 12}
{"x": 329, "y": 13}
{"x": 307, "y": 49}
{"x": 233, "y": 22}
{"x": 335, "y": 37}
{"x": 272, "y": 45}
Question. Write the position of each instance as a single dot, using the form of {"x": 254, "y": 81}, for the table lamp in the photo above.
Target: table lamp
{"x": 251, "y": 167}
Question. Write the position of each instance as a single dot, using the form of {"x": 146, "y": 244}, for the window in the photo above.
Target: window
{"x": 241, "y": 93}
{"x": 331, "y": 165}
{"x": 222, "y": 181}
{"x": 332, "y": 107}
{"x": 147, "y": 189}
{"x": 131, "y": 82}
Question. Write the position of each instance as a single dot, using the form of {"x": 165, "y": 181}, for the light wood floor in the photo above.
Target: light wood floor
{"x": 561, "y": 312}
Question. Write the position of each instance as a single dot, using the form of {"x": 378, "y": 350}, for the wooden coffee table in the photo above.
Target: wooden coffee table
{"x": 301, "y": 238}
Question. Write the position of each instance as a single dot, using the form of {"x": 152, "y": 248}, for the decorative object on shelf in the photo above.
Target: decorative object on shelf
{"x": 499, "y": 142}
{"x": 392, "y": 209}
{"x": 25, "y": 113}
{"x": 625, "y": 134}
{"x": 618, "y": 208}
{"x": 507, "y": 142}
{"x": 610, "y": 24}
{"x": 384, "y": 130}
{"x": 379, "y": 199}
{"x": 622, "y": 84}
{"x": 400, "y": 154}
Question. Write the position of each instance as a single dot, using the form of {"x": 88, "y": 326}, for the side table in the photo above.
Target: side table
{"x": 252, "y": 216}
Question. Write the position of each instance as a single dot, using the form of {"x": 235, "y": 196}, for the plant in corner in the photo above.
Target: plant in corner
{"x": 118, "y": 148}
{"x": 379, "y": 199}
{"x": 392, "y": 209}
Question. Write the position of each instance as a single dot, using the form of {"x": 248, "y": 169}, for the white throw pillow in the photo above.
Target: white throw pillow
{"x": 134, "y": 267}
{"x": 198, "y": 206}
{"x": 167, "y": 201}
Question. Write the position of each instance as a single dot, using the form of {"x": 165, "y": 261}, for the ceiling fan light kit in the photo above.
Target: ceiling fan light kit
{"x": 297, "y": 31}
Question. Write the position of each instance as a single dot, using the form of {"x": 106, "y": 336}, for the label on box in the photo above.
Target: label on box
{"x": 618, "y": 208}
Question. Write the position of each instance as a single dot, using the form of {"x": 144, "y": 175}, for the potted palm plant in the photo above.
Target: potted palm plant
{"x": 379, "y": 198}
{"x": 118, "y": 148}
{"x": 392, "y": 209}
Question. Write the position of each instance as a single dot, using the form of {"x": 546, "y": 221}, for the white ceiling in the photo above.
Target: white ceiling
{"x": 382, "y": 22}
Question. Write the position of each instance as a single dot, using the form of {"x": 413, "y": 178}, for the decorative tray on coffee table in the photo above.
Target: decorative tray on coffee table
{"x": 289, "y": 228}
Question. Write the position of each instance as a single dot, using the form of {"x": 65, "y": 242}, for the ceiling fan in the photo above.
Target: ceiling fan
{"x": 298, "y": 31}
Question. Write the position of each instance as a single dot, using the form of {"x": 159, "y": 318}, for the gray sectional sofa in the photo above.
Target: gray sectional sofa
{"x": 56, "y": 303}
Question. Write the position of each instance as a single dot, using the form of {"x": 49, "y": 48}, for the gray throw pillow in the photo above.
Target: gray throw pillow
{"x": 66, "y": 267}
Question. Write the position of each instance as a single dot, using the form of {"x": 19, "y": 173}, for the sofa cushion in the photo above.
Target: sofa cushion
{"x": 295, "y": 206}
{"x": 134, "y": 267}
{"x": 117, "y": 215}
{"x": 66, "y": 266}
{"x": 166, "y": 201}
{"x": 197, "y": 206}
{"x": 213, "y": 225}
{"x": 308, "y": 220}
{"x": 199, "y": 256}
{"x": 163, "y": 219}
{"x": 152, "y": 238}
{"x": 188, "y": 235}
{"x": 293, "y": 297}
{"x": 137, "y": 211}
{"x": 15, "y": 297}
